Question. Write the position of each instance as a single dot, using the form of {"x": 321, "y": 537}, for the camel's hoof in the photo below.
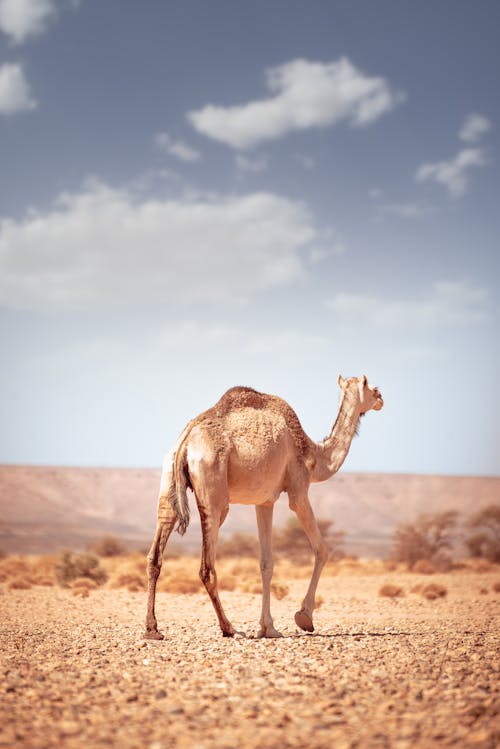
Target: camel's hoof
{"x": 269, "y": 632}
{"x": 228, "y": 633}
{"x": 153, "y": 634}
{"x": 304, "y": 621}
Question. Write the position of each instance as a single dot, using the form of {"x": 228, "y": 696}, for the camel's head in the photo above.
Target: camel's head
{"x": 369, "y": 397}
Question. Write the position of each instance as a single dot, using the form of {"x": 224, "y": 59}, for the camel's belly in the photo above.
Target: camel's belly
{"x": 257, "y": 461}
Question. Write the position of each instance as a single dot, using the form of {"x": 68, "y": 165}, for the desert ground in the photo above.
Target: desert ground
{"x": 400, "y": 670}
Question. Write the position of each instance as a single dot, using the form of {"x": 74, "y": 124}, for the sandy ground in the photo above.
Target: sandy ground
{"x": 378, "y": 672}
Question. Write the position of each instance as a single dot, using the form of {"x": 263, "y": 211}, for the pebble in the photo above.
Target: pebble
{"x": 371, "y": 675}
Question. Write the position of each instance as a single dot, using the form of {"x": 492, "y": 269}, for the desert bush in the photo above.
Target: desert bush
{"x": 430, "y": 538}
{"x": 19, "y": 583}
{"x": 238, "y": 545}
{"x": 108, "y": 546}
{"x": 82, "y": 586}
{"x": 129, "y": 579}
{"x": 484, "y": 539}
{"x": 291, "y": 541}
{"x": 433, "y": 591}
{"x": 423, "y": 567}
{"x": 71, "y": 566}
{"x": 14, "y": 567}
{"x": 390, "y": 590}
{"x": 496, "y": 586}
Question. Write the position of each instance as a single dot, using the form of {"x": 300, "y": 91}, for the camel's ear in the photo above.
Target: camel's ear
{"x": 341, "y": 381}
{"x": 364, "y": 380}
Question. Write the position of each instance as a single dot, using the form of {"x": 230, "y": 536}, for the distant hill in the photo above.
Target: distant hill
{"x": 45, "y": 509}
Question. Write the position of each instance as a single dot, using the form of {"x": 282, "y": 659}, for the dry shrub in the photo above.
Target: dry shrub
{"x": 246, "y": 567}
{"x": 13, "y": 568}
{"x": 389, "y": 590}
{"x": 250, "y": 586}
{"x": 279, "y": 590}
{"x": 483, "y": 591}
{"x": 180, "y": 576}
{"x": 19, "y": 583}
{"x": 433, "y": 591}
{"x": 132, "y": 581}
{"x": 180, "y": 584}
{"x": 82, "y": 586}
{"x": 108, "y": 546}
{"x": 33, "y": 571}
{"x": 423, "y": 567}
{"x": 496, "y": 586}
{"x": 71, "y": 566}
{"x": 238, "y": 544}
{"x": 82, "y": 592}
{"x": 84, "y": 582}
{"x": 480, "y": 565}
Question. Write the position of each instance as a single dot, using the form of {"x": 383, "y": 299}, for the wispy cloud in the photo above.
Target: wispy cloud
{"x": 305, "y": 95}
{"x": 453, "y": 174}
{"x": 255, "y": 165}
{"x": 103, "y": 247}
{"x": 403, "y": 210}
{"x": 20, "y": 19}
{"x": 474, "y": 127}
{"x": 177, "y": 148}
{"x": 448, "y": 303}
{"x": 15, "y": 93}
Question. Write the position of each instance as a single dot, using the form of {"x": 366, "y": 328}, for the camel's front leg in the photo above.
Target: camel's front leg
{"x": 303, "y": 618}
{"x": 265, "y": 525}
{"x": 166, "y": 520}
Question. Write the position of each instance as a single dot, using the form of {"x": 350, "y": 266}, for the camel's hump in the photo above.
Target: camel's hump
{"x": 240, "y": 397}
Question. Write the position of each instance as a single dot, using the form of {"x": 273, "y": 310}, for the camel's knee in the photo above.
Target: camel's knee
{"x": 266, "y": 568}
{"x": 322, "y": 553}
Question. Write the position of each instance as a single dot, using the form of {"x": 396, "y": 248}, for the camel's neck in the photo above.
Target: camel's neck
{"x": 331, "y": 453}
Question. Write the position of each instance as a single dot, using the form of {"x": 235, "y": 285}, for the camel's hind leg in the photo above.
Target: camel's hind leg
{"x": 211, "y": 520}
{"x": 166, "y": 521}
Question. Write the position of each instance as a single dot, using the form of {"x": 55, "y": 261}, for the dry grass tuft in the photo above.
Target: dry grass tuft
{"x": 433, "y": 591}
{"x": 390, "y": 590}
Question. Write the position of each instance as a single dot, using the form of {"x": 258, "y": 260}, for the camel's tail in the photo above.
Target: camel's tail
{"x": 177, "y": 495}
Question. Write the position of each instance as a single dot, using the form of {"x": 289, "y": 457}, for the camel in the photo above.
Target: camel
{"x": 248, "y": 449}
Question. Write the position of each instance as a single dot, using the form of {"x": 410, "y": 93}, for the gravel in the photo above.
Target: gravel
{"x": 378, "y": 672}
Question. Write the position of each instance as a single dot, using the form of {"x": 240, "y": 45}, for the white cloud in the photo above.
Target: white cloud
{"x": 453, "y": 174}
{"x": 21, "y": 19}
{"x": 305, "y": 94}
{"x": 474, "y": 127}
{"x": 449, "y": 303}
{"x": 308, "y": 162}
{"x": 101, "y": 247}
{"x": 15, "y": 94}
{"x": 403, "y": 210}
{"x": 177, "y": 148}
{"x": 258, "y": 164}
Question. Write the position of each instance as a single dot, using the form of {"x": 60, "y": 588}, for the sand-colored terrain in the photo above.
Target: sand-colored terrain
{"x": 399, "y": 672}
{"x": 48, "y": 508}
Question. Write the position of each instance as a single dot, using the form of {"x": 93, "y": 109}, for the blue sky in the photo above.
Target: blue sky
{"x": 200, "y": 194}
